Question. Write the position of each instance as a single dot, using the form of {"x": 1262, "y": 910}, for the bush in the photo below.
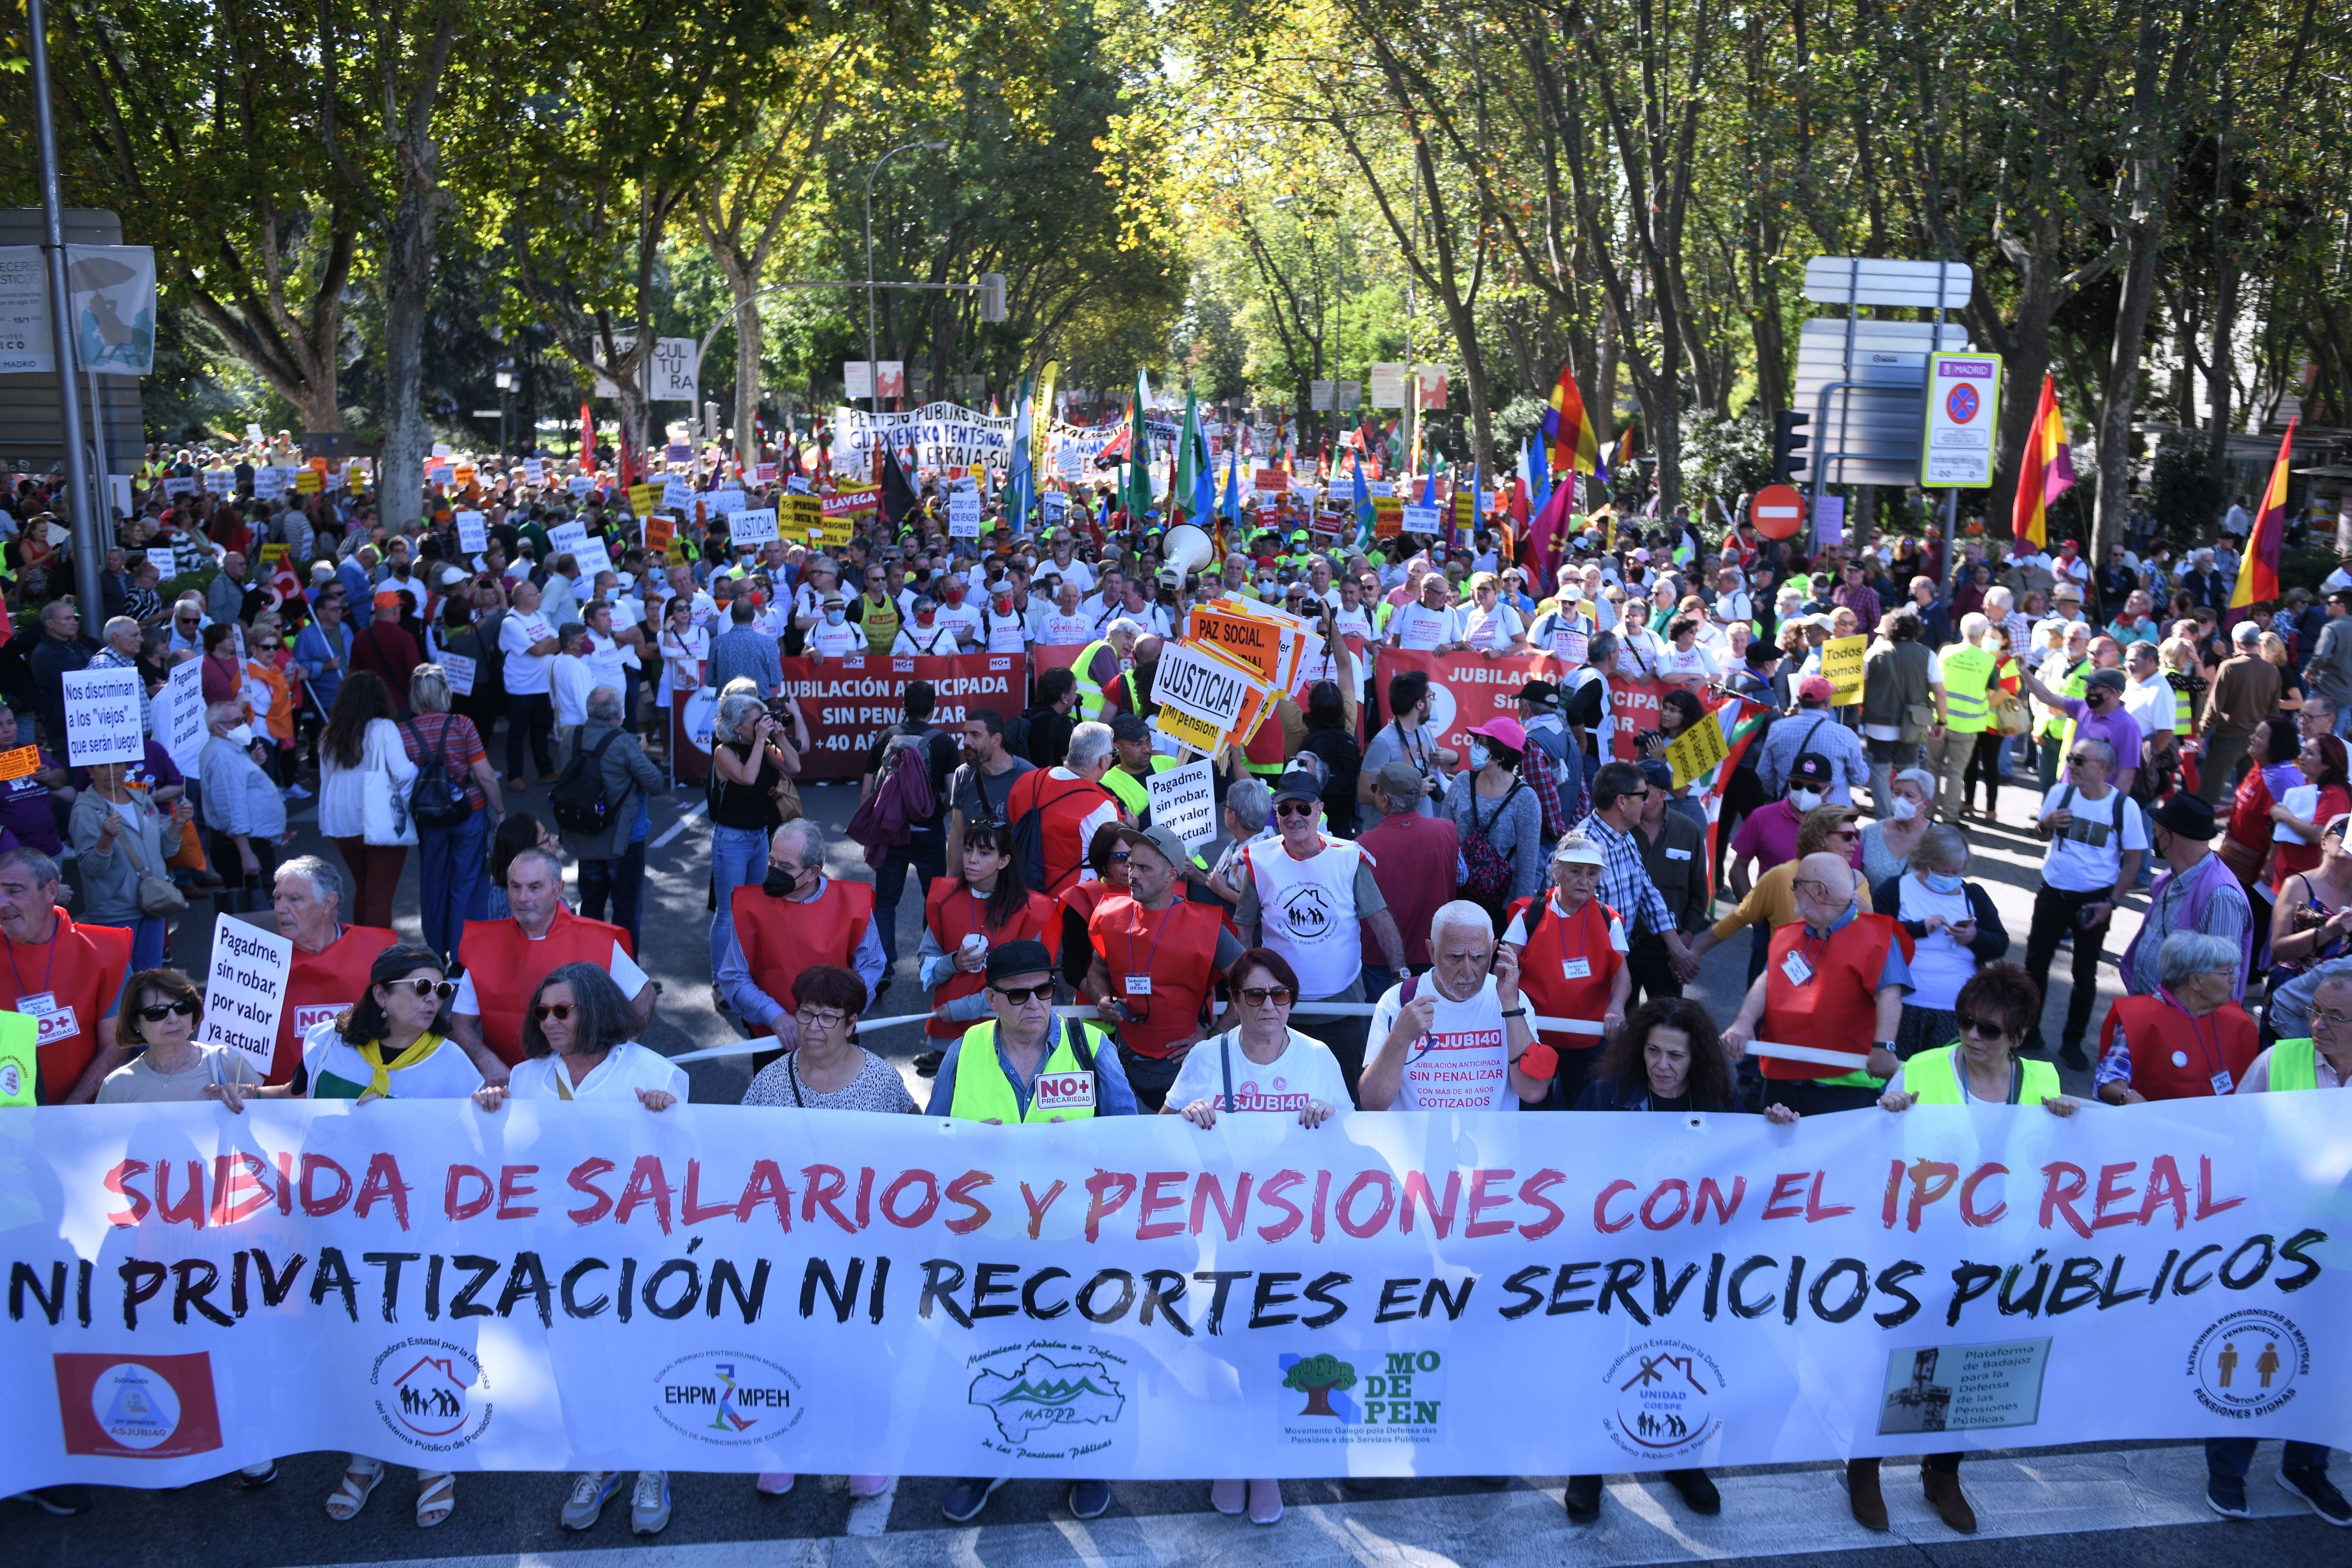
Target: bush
{"x": 1724, "y": 457}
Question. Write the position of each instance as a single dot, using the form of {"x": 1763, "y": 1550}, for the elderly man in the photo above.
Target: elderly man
{"x": 1460, "y": 1037}
{"x": 1833, "y": 978}
{"x": 2190, "y": 1041}
{"x": 2197, "y": 892}
{"x": 1814, "y": 728}
{"x": 60, "y": 652}
{"x": 1071, "y": 803}
{"x": 2099, "y": 714}
{"x": 2245, "y": 692}
{"x": 1572, "y": 951}
{"x": 323, "y": 650}
{"x": 244, "y": 812}
{"x": 2096, "y": 840}
{"x": 513, "y": 955}
{"x": 1157, "y": 955}
{"x": 529, "y": 641}
{"x": 797, "y": 918}
{"x": 225, "y": 594}
{"x": 1099, "y": 663}
{"x": 330, "y": 970}
{"x": 744, "y": 651}
{"x": 612, "y": 859}
{"x": 66, "y": 977}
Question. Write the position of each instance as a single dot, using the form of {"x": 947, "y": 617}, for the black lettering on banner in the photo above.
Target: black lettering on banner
{"x": 1118, "y": 1309}
{"x": 2247, "y": 1282}
{"x": 725, "y": 1281}
{"x": 1564, "y": 1289}
{"x": 1223, "y": 1279}
{"x": 2029, "y": 1304}
{"x": 1969, "y": 1280}
{"x": 526, "y": 1278}
{"x": 985, "y": 1285}
{"x": 844, "y": 1295}
{"x": 433, "y": 1288}
{"x": 2180, "y": 1284}
{"x": 1520, "y": 1284}
{"x": 1456, "y": 1303}
{"x": 1661, "y": 1298}
{"x": 1162, "y": 1289}
{"x": 573, "y": 1306}
{"x": 1269, "y": 1294}
{"x": 275, "y": 1287}
{"x": 196, "y": 1277}
{"x": 942, "y": 1278}
{"x": 1625, "y": 1273}
{"x": 1890, "y": 1282}
{"x": 2291, "y": 1251}
{"x": 1819, "y": 1295}
{"x": 1318, "y": 1290}
{"x": 1740, "y": 1306}
{"x": 334, "y": 1274}
{"x": 876, "y": 1296}
{"x": 692, "y": 1273}
{"x": 463, "y": 1305}
{"x": 1029, "y": 1289}
{"x": 51, "y": 1301}
{"x": 2078, "y": 1286}
{"x": 390, "y": 1263}
{"x": 141, "y": 1281}
{"x": 1396, "y": 1301}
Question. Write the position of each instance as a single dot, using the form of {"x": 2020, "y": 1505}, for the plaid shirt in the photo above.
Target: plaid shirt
{"x": 1625, "y": 884}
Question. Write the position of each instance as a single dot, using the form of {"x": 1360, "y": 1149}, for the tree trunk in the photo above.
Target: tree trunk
{"x": 399, "y": 473}
{"x": 749, "y": 340}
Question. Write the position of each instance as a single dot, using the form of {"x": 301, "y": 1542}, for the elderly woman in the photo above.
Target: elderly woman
{"x": 450, "y": 855}
{"x": 162, "y": 1010}
{"x": 1498, "y": 818}
{"x": 1995, "y": 1010}
{"x": 1489, "y": 625}
{"x": 576, "y": 1046}
{"x": 751, "y": 762}
{"x": 118, "y": 840}
{"x": 1954, "y": 926}
{"x": 2189, "y": 1041}
{"x": 1258, "y": 1064}
{"x": 1687, "y": 661}
{"x": 1887, "y": 843}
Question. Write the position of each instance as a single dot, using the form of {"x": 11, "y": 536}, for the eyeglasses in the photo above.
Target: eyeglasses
{"x": 1809, "y": 888}
{"x": 820, "y": 1018}
{"x": 559, "y": 1011}
{"x": 2078, "y": 760}
{"x": 445, "y": 990}
{"x": 1017, "y": 995}
{"x": 2330, "y": 1020}
{"x": 1297, "y": 807}
{"x": 1261, "y": 996}
{"x": 162, "y": 1010}
{"x": 1118, "y": 855}
{"x": 1983, "y": 1029}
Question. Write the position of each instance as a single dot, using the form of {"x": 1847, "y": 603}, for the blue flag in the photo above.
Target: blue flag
{"x": 1231, "y": 508}
{"x": 1539, "y": 478}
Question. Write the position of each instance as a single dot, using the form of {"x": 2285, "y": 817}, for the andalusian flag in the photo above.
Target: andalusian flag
{"x": 1192, "y": 489}
{"x": 1575, "y": 446}
{"x": 2046, "y": 473}
{"x": 2258, "y": 573}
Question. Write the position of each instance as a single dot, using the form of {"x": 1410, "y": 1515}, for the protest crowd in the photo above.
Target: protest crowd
{"x": 1438, "y": 816}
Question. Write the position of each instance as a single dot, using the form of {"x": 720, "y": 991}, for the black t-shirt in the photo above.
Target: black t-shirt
{"x": 981, "y": 797}
{"x": 734, "y": 805}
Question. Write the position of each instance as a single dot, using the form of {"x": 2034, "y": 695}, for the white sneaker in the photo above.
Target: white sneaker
{"x": 590, "y": 1491}
{"x": 296, "y": 792}
{"x": 649, "y": 1504}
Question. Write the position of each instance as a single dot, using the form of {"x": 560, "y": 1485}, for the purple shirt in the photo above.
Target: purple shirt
{"x": 1770, "y": 833}
{"x": 2117, "y": 728}
{"x": 25, "y": 811}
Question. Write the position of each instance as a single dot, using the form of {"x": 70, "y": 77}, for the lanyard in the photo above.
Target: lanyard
{"x": 46, "y": 972}
{"x": 1404, "y": 742}
{"x": 2209, "y": 1051}
{"x": 792, "y": 1075}
{"x": 1150, "y": 958}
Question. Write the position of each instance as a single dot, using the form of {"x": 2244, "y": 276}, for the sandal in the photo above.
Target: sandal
{"x": 361, "y": 1476}
{"x": 437, "y": 1498}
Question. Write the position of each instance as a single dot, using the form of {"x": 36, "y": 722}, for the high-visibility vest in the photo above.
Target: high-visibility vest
{"x": 2295, "y": 1064}
{"x": 880, "y": 623}
{"x": 983, "y": 1093}
{"x": 2055, "y": 722}
{"x": 1132, "y": 791}
{"x": 20, "y": 1071}
{"x": 1933, "y": 1077}
{"x": 1092, "y": 702}
{"x": 1968, "y": 673}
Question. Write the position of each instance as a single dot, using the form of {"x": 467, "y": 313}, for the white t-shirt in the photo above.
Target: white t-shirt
{"x": 1463, "y": 1064}
{"x": 2076, "y": 865}
{"x": 1418, "y": 627}
{"x": 1078, "y": 573}
{"x": 623, "y": 970}
{"x": 626, "y": 1068}
{"x": 1939, "y": 966}
{"x": 829, "y": 642}
{"x": 1056, "y": 630}
{"x": 1305, "y": 1071}
{"x": 964, "y": 618}
{"x": 1674, "y": 663}
{"x": 1491, "y": 629}
{"x": 609, "y": 660}
{"x": 2150, "y": 705}
{"x": 937, "y": 640}
{"x": 571, "y": 682}
{"x": 527, "y": 674}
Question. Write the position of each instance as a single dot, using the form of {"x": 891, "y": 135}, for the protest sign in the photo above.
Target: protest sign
{"x": 726, "y": 500}
{"x": 846, "y": 703}
{"x": 1841, "y": 666}
{"x": 179, "y": 714}
{"x": 178, "y": 485}
{"x": 850, "y": 500}
{"x": 963, "y": 512}
{"x": 593, "y": 557}
{"x": 752, "y": 527}
{"x": 308, "y": 482}
{"x": 102, "y": 713}
{"x": 1183, "y": 800}
{"x": 245, "y": 991}
{"x": 1249, "y": 639}
{"x": 1056, "y": 505}
{"x": 644, "y": 499}
{"x": 1072, "y": 461}
{"x": 580, "y": 485}
{"x": 808, "y": 518}
{"x": 19, "y": 762}
{"x": 460, "y": 669}
{"x": 1196, "y": 682}
{"x": 166, "y": 565}
{"x": 1388, "y": 516}
{"x": 659, "y": 532}
{"x": 1421, "y": 519}
{"x": 677, "y": 495}
{"x": 534, "y": 472}
{"x": 1697, "y": 751}
{"x": 1272, "y": 481}
{"x": 473, "y": 532}
{"x": 268, "y": 484}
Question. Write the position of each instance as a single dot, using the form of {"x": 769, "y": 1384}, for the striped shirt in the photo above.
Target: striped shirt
{"x": 1625, "y": 884}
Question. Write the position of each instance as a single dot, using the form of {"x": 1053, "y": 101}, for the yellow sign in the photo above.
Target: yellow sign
{"x": 1388, "y": 516}
{"x": 642, "y": 498}
{"x": 1187, "y": 731}
{"x": 308, "y": 482}
{"x": 276, "y": 553}
{"x": 1698, "y": 751}
{"x": 802, "y": 517}
{"x": 1841, "y": 668}
{"x": 1465, "y": 511}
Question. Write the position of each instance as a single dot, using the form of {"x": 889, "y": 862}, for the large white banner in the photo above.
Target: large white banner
{"x": 563, "y": 1287}
{"x": 945, "y": 435}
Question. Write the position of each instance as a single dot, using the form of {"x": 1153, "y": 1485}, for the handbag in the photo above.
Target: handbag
{"x": 156, "y": 893}
{"x": 384, "y": 817}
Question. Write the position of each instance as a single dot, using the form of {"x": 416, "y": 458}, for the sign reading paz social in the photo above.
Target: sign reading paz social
{"x": 102, "y": 709}
{"x": 1183, "y": 800}
{"x": 1841, "y": 668}
{"x": 245, "y": 991}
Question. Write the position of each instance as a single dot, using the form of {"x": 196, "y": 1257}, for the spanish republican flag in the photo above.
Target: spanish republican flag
{"x": 1575, "y": 448}
{"x": 2258, "y": 573}
{"x": 2046, "y": 473}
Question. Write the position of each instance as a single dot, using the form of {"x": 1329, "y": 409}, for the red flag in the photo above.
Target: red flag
{"x": 2258, "y": 573}
{"x": 587, "y": 439}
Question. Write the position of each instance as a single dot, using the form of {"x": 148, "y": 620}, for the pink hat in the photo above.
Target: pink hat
{"x": 1507, "y": 731}
{"x": 1816, "y": 688}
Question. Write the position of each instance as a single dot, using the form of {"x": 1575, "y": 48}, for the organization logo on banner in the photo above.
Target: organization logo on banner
{"x": 137, "y": 1407}
{"x": 1049, "y": 1409}
{"x": 307, "y": 1019}
{"x": 2246, "y": 1363}
{"x": 1307, "y": 911}
{"x": 1963, "y": 1387}
{"x": 432, "y": 1394}
{"x": 1399, "y": 1399}
{"x": 1662, "y": 1397}
{"x": 729, "y": 1398}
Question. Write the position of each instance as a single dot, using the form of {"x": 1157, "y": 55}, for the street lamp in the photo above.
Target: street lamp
{"x": 506, "y": 382}
{"x": 873, "y": 371}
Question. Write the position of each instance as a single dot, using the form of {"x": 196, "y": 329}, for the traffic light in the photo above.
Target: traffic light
{"x": 1789, "y": 462}
{"x": 991, "y": 296}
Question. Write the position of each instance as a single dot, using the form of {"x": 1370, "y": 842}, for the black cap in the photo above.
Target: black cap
{"x": 1023, "y": 957}
{"x": 1297, "y": 785}
{"x": 1812, "y": 768}
{"x": 1539, "y": 692}
{"x": 1127, "y": 726}
{"x": 2188, "y": 815}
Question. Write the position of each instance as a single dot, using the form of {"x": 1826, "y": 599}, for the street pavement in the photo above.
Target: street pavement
{"x": 2130, "y": 1506}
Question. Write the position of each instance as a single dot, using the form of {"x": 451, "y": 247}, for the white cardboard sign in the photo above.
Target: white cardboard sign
{"x": 752, "y": 527}
{"x": 246, "y": 992}
{"x": 180, "y": 716}
{"x": 473, "y": 532}
{"x": 1183, "y": 800}
{"x": 102, "y": 709}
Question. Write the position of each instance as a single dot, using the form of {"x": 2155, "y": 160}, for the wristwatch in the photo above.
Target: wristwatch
{"x": 1886, "y": 1045}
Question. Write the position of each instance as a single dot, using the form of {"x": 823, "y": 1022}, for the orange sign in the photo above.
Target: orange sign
{"x": 1253, "y": 644}
{"x": 659, "y": 531}
{"x": 17, "y": 764}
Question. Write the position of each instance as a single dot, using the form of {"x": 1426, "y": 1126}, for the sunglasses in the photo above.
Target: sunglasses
{"x": 1017, "y": 995}
{"x": 162, "y": 1010}
{"x": 445, "y": 990}
{"x": 559, "y": 1011}
{"x": 1845, "y": 832}
{"x": 1983, "y": 1029}
{"x": 1297, "y": 807}
{"x": 2080, "y": 760}
{"x": 1259, "y": 996}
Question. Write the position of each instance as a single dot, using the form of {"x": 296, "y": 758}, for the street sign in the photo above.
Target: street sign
{"x": 1877, "y": 280}
{"x": 1867, "y": 432}
{"x": 1963, "y": 414}
{"x": 1776, "y": 510}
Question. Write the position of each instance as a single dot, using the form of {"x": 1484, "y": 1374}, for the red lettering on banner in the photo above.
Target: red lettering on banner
{"x": 1816, "y": 1210}
{"x": 458, "y": 1204}
{"x": 234, "y": 1175}
{"x": 1156, "y": 1197}
{"x": 1532, "y": 1193}
{"x": 1270, "y": 1194}
{"x": 511, "y": 1191}
{"x": 2206, "y": 1206}
{"x": 123, "y": 1219}
{"x": 190, "y": 1209}
{"x": 826, "y": 1183}
{"x": 1038, "y": 1206}
{"x": 1786, "y": 1200}
{"x": 1209, "y": 1190}
{"x": 2062, "y": 1185}
{"x": 1707, "y": 1189}
{"x": 1930, "y": 1180}
{"x": 1969, "y": 1213}
{"x": 1441, "y": 1219}
{"x": 648, "y": 1188}
{"x": 1106, "y": 1192}
{"x": 2165, "y": 1188}
{"x": 1480, "y": 688}
{"x": 1481, "y": 1200}
{"x": 583, "y": 1179}
{"x": 2113, "y": 1194}
{"x": 766, "y": 1185}
{"x": 382, "y": 1184}
{"x": 692, "y": 1212}
{"x": 923, "y": 1211}
{"x": 959, "y": 1191}
{"x": 1601, "y": 1220}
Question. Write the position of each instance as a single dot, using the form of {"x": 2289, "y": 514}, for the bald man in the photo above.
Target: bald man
{"x": 1833, "y": 980}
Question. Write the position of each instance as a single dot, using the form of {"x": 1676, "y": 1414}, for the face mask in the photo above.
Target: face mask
{"x": 1003, "y": 604}
{"x": 955, "y": 597}
{"x": 242, "y": 735}
{"x": 1480, "y": 756}
{"x": 1940, "y": 882}
{"x": 836, "y": 617}
{"x": 1903, "y": 810}
{"x": 925, "y": 617}
{"x": 1804, "y": 800}
{"x": 781, "y": 882}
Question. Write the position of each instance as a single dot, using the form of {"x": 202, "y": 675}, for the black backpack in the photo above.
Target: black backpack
{"x": 1029, "y": 838}
{"x": 578, "y": 799}
{"x": 437, "y": 798}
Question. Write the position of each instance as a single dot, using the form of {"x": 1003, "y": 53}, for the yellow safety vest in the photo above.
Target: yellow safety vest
{"x": 880, "y": 623}
{"x": 984, "y": 1093}
{"x": 1968, "y": 675}
{"x": 20, "y": 1070}
{"x": 1092, "y": 703}
{"x": 2295, "y": 1064}
{"x": 1132, "y": 791}
{"x": 2055, "y": 722}
{"x": 1933, "y": 1077}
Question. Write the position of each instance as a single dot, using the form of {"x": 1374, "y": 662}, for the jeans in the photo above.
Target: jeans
{"x": 622, "y": 880}
{"x": 739, "y": 856}
{"x": 2055, "y": 912}
{"x": 531, "y": 712}
{"x": 2233, "y": 1456}
{"x": 450, "y": 871}
{"x": 926, "y": 854}
{"x": 146, "y": 942}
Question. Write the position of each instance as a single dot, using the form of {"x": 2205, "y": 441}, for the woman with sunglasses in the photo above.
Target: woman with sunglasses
{"x": 2319, "y": 796}
{"x": 161, "y": 1012}
{"x": 391, "y": 1044}
{"x": 1995, "y": 1010}
{"x": 1772, "y": 901}
{"x": 1258, "y": 1064}
{"x": 576, "y": 1046}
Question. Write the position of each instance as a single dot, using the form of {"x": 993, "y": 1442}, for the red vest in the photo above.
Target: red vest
{"x": 1065, "y": 805}
{"x": 1413, "y": 861}
{"x": 1177, "y": 947}
{"x": 780, "y": 938}
{"x": 507, "y": 966}
{"x": 2158, "y": 1032}
{"x": 951, "y": 914}
{"x": 323, "y": 984}
{"x": 82, "y": 967}
{"x": 1556, "y": 946}
{"x": 1837, "y": 1009}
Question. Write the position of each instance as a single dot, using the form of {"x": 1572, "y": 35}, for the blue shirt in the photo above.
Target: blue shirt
{"x": 1894, "y": 972}
{"x": 744, "y": 651}
{"x": 1113, "y": 1096}
{"x": 323, "y": 660}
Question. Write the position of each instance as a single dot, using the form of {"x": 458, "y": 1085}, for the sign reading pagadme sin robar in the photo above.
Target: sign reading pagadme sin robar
{"x": 576, "y": 1286}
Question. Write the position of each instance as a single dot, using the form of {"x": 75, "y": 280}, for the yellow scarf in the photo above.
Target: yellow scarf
{"x": 373, "y": 1054}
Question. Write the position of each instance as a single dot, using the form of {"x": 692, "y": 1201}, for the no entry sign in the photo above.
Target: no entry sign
{"x": 1778, "y": 511}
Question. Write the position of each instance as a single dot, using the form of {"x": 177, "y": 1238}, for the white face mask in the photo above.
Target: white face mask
{"x": 1804, "y": 800}
{"x": 1903, "y": 810}
{"x": 241, "y": 736}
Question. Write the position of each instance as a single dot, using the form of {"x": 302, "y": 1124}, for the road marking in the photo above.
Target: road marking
{"x": 1768, "y": 1513}
{"x": 871, "y": 1515}
{"x": 678, "y": 827}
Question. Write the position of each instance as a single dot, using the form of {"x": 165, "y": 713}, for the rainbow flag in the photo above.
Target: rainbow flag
{"x": 2258, "y": 573}
{"x": 2046, "y": 473}
{"x": 1575, "y": 447}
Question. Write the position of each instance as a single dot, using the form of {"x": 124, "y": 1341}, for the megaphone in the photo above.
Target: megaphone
{"x": 1188, "y": 550}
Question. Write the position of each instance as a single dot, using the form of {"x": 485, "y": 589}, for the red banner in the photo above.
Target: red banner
{"x": 1466, "y": 689}
{"x": 1060, "y": 656}
{"x": 849, "y": 701}
{"x": 1635, "y": 706}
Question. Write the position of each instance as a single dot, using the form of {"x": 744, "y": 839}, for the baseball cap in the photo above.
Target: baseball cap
{"x": 1128, "y": 727}
{"x": 1401, "y": 781}
{"x": 386, "y": 596}
{"x": 1297, "y": 786}
{"x": 1813, "y": 768}
{"x": 2113, "y": 680}
{"x": 1542, "y": 693}
{"x": 1816, "y": 688}
{"x": 1164, "y": 839}
{"x": 1661, "y": 776}
{"x": 1026, "y": 956}
{"x": 1508, "y": 731}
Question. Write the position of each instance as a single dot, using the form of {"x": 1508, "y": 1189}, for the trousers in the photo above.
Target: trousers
{"x": 2055, "y": 912}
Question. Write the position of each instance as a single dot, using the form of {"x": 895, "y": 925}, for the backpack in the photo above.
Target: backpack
{"x": 1488, "y": 885}
{"x": 437, "y": 798}
{"x": 578, "y": 800}
{"x": 1029, "y": 838}
{"x": 885, "y": 818}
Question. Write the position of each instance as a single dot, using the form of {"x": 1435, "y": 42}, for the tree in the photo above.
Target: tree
{"x": 1316, "y": 1376}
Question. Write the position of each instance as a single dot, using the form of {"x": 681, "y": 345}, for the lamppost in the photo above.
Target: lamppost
{"x": 505, "y": 381}
{"x": 873, "y": 371}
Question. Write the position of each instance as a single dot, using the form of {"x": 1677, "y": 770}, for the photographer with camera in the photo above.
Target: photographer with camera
{"x": 2097, "y": 836}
